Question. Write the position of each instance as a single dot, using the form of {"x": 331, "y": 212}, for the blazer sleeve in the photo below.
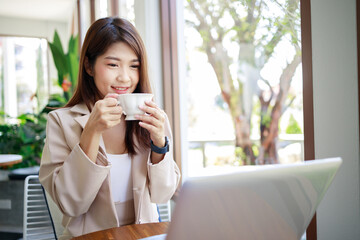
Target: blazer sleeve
{"x": 164, "y": 177}
{"x": 68, "y": 175}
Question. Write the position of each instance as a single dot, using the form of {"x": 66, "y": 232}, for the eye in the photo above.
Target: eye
{"x": 112, "y": 64}
{"x": 135, "y": 66}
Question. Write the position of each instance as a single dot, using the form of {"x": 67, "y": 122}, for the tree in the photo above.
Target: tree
{"x": 256, "y": 31}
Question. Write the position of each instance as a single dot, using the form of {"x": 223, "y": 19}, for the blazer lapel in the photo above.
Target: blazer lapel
{"x": 84, "y": 112}
{"x": 82, "y": 120}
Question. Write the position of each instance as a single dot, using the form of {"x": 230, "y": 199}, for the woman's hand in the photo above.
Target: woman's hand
{"x": 154, "y": 122}
{"x": 104, "y": 115}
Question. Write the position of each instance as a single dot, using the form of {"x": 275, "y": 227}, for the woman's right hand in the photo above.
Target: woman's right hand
{"x": 105, "y": 114}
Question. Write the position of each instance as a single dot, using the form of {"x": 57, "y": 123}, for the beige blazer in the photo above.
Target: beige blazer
{"x": 81, "y": 188}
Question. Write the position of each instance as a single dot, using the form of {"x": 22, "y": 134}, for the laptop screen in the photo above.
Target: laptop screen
{"x": 261, "y": 202}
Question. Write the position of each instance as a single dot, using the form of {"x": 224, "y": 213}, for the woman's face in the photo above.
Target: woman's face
{"x": 117, "y": 70}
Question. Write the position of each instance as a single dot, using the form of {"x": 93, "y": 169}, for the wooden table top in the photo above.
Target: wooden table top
{"x": 129, "y": 232}
{"x": 9, "y": 159}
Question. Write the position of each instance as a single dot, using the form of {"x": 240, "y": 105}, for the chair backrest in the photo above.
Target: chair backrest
{"x": 56, "y": 214}
{"x": 164, "y": 212}
{"x": 37, "y": 219}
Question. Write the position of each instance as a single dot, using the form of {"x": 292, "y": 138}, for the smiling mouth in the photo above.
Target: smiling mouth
{"x": 121, "y": 90}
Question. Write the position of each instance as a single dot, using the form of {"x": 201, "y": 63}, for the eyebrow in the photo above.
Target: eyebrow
{"x": 118, "y": 59}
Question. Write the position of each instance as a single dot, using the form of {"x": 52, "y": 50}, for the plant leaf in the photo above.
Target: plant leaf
{"x": 74, "y": 44}
{"x": 59, "y": 59}
{"x": 73, "y": 60}
{"x": 57, "y": 42}
{"x": 73, "y": 67}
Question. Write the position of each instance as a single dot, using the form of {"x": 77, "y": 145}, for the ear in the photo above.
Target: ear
{"x": 88, "y": 67}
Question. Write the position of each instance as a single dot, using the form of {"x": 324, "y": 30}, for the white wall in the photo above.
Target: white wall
{"x": 31, "y": 28}
{"x": 336, "y": 119}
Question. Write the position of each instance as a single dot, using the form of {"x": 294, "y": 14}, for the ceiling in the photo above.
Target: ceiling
{"x": 52, "y": 10}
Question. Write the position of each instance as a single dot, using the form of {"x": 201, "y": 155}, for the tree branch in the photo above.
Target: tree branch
{"x": 288, "y": 105}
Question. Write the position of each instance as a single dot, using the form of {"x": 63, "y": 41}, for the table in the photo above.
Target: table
{"x": 129, "y": 232}
{"x": 9, "y": 159}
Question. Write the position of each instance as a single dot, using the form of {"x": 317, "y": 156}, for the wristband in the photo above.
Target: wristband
{"x": 161, "y": 150}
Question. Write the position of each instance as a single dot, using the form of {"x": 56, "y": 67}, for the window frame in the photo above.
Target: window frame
{"x": 170, "y": 71}
{"x": 308, "y": 102}
{"x": 171, "y": 82}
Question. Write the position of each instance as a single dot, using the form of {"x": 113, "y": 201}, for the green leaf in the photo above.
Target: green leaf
{"x": 293, "y": 127}
{"x": 59, "y": 59}
{"x": 74, "y": 45}
{"x": 67, "y": 64}
{"x": 27, "y": 134}
{"x": 57, "y": 42}
{"x": 25, "y": 138}
{"x": 73, "y": 64}
{"x": 60, "y": 78}
{"x": 73, "y": 60}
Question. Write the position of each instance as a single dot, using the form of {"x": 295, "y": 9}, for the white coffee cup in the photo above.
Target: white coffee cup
{"x": 130, "y": 103}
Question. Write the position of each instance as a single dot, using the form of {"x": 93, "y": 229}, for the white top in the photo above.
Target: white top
{"x": 120, "y": 177}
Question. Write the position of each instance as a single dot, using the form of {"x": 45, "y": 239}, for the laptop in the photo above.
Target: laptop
{"x": 254, "y": 202}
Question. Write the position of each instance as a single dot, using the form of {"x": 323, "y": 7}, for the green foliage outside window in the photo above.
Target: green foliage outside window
{"x": 293, "y": 127}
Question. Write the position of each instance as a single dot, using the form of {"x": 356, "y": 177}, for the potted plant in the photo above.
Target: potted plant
{"x": 26, "y": 138}
{"x": 67, "y": 64}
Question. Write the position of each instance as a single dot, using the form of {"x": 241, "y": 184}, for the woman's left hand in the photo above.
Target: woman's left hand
{"x": 154, "y": 122}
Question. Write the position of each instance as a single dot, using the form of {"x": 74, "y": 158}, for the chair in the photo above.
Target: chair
{"x": 37, "y": 220}
{"x": 55, "y": 213}
{"x": 164, "y": 212}
{"x": 42, "y": 218}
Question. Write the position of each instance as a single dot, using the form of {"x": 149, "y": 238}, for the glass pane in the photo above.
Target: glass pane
{"x": 23, "y": 74}
{"x": 103, "y": 8}
{"x": 127, "y": 10}
{"x": 244, "y": 83}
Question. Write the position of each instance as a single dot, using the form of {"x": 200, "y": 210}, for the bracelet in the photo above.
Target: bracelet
{"x": 161, "y": 150}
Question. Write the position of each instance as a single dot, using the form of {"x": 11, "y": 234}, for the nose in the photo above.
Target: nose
{"x": 123, "y": 75}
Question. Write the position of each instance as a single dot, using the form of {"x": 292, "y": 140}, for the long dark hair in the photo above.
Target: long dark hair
{"x": 101, "y": 34}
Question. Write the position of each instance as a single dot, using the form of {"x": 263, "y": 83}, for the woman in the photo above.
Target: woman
{"x": 101, "y": 170}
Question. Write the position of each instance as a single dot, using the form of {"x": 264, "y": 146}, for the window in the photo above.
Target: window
{"x": 125, "y": 9}
{"x": 24, "y": 75}
{"x": 244, "y": 84}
